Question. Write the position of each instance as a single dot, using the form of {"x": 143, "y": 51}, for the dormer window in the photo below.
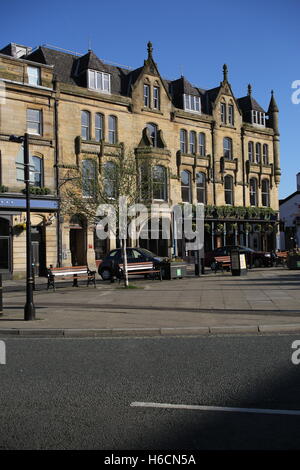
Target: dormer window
{"x": 258, "y": 118}
{"x": 192, "y": 103}
{"x": 34, "y": 75}
{"x": 99, "y": 81}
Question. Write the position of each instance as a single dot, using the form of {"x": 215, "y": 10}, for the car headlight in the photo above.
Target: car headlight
{"x": 268, "y": 255}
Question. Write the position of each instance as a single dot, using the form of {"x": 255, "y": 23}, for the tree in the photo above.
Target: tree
{"x": 91, "y": 185}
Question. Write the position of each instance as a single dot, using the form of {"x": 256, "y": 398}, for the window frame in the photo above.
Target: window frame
{"x": 202, "y": 144}
{"x": 223, "y": 112}
{"x": 187, "y": 186}
{"x": 229, "y": 191}
{"x": 231, "y": 114}
{"x": 253, "y": 192}
{"x": 251, "y": 151}
{"x": 156, "y": 99}
{"x": 228, "y": 151}
{"x": 184, "y": 141}
{"x": 162, "y": 184}
{"x": 104, "y": 77}
{"x": 192, "y": 142}
{"x": 146, "y": 96}
{"x": 34, "y": 172}
{"x": 265, "y": 194}
{"x": 258, "y": 152}
{"x": 201, "y": 187}
{"x": 97, "y": 128}
{"x": 191, "y": 103}
{"x": 39, "y": 122}
{"x": 265, "y": 154}
{"x": 87, "y": 127}
{"x": 112, "y": 131}
{"x": 88, "y": 192}
{"x": 37, "y": 81}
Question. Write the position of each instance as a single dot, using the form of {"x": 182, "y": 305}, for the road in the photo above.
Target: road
{"x": 80, "y": 393}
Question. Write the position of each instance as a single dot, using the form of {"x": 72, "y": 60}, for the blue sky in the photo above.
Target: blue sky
{"x": 258, "y": 39}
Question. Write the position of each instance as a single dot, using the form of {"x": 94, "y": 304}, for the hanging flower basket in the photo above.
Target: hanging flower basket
{"x": 219, "y": 228}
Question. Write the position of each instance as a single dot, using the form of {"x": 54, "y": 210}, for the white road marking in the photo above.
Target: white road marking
{"x": 141, "y": 404}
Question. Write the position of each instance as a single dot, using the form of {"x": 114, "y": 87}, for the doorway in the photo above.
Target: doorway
{"x": 38, "y": 250}
{"x": 78, "y": 240}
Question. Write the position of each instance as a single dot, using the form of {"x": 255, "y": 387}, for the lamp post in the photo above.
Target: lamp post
{"x": 29, "y": 308}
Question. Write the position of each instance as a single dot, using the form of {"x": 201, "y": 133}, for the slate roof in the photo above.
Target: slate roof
{"x": 70, "y": 68}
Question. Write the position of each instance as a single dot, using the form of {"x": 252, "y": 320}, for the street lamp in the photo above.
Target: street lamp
{"x": 29, "y": 308}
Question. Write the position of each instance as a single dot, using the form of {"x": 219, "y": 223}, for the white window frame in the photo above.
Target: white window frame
{"x": 156, "y": 97}
{"x": 97, "y": 80}
{"x": 192, "y": 103}
{"x": 34, "y": 79}
{"x": 146, "y": 95}
{"x": 39, "y": 122}
{"x": 258, "y": 118}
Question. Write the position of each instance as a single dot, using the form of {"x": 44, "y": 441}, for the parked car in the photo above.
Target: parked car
{"x": 253, "y": 258}
{"x": 134, "y": 255}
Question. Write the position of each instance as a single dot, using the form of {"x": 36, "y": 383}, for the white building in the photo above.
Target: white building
{"x": 290, "y": 219}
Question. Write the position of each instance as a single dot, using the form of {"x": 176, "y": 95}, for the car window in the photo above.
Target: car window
{"x": 113, "y": 253}
{"x": 137, "y": 255}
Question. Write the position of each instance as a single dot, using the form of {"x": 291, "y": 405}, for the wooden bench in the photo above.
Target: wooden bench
{"x": 143, "y": 267}
{"x": 71, "y": 272}
{"x": 281, "y": 257}
{"x": 221, "y": 262}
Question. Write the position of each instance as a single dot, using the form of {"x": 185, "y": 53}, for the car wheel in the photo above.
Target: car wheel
{"x": 105, "y": 274}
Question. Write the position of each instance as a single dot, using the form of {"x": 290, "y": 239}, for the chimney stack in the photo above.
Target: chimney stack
{"x": 298, "y": 181}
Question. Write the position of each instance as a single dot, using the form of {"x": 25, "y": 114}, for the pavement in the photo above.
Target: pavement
{"x": 266, "y": 300}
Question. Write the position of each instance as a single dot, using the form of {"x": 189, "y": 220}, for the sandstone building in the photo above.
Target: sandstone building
{"x": 208, "y": 146}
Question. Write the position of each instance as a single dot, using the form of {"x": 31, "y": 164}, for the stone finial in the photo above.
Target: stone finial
{"x": 150, "y": 49}
{"x": 225, "y": 73}
{"x": 249, "y": 89}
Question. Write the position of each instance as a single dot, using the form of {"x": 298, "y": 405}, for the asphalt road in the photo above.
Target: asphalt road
{"x": 78, "y": 393}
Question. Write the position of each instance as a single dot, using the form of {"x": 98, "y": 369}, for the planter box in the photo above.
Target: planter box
{"x": 173, "y": 270}
{"x": 293, "y": 261}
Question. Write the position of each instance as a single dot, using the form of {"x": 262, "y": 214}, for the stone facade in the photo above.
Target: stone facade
{"x": 137, "y": 98}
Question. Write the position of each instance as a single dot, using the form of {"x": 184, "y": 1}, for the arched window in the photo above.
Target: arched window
{"x": 159, "y": 182}
{"x": 85, "y": 125}
{"x": 36, "y": 171}
{"x": 112, "y": 129}
{"x": 88, "y": 177}
{"x": 265, "y": 193}
{"x": 228, "y": 189}
{"x": 192, "y": 142}
{"x": 110, "y": 179}
{"x": 99, "y": 127}
{"x": 253, "y": 192}
{"x": 201, "y": 187}
{"x": 227, "y": 147}
{"x": 258, "y": 152}
{"x": 183, "y": 140}
{"x": 152, "y": 128}
{"x": 186, "y": 187}
{"x": 251, "y": 152}
{"x": 202, "y": 144}
{"x": 265, "y": 154}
